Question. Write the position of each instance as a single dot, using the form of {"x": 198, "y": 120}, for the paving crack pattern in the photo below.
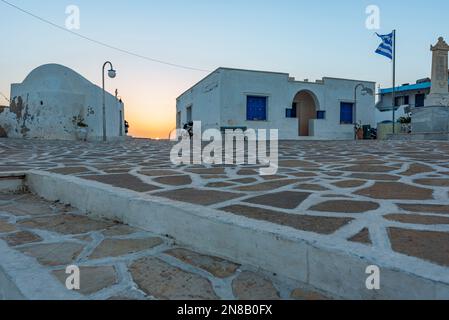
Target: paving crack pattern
{"x": 385, "y": 195}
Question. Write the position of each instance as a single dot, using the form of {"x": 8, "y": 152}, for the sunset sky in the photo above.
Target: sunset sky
{"x": 308, "y": 39}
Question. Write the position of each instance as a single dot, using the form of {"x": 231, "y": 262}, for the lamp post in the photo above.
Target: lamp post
{"x": 1, "y": 94}
{"x": 365, "y": 91}
{"x": 112, "y": 74}
{"x": 120, "y": 104}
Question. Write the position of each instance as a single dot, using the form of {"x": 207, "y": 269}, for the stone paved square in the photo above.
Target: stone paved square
{"x": 392, "y": 197}
{"x": 118, "y": 262}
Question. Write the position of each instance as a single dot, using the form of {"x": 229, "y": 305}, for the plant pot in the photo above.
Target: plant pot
{"x": 81, "y": 133}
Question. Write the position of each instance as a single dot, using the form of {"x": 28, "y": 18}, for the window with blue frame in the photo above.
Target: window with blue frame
{"x": 291, "y": 113}
{"x": 256, "y": 108}
{"x": 346, "y": 113}
{"x": 321, "y": 115}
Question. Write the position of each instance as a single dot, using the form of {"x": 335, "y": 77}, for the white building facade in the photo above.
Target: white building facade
{"x": 52, "y": 101}
{"x": 242, "y": 99}
{"x": 407, "y": 97}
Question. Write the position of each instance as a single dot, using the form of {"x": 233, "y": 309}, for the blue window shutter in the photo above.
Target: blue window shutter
{"x": 256, "y": 108}
{"x": 291, "y": 113}
{"x": 346, "y": 113}
{"x": 251, "y": 109}
{"x": 321, "y": 115}
{"x": 294, "y": 110}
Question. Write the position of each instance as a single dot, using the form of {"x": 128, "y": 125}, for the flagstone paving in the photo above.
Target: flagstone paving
{"x": 362, "y": 237}
{"x": 391, "y": 196}
{"x": 94, "y": 278}
{"x": 119, "y": 262}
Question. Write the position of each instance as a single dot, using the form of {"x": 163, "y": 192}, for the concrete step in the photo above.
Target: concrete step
{"x": 333, "y": 266}
{"x": 11, "y": 182}
{"x": 430, "y": 136}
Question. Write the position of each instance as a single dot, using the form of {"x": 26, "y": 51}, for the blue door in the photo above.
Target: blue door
{"x": 346, "y": 113}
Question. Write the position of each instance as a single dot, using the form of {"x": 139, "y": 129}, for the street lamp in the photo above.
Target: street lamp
{"x": 118, "y": 99}
{"x": 112, "y": 74}
{"x": 365, "y": 91}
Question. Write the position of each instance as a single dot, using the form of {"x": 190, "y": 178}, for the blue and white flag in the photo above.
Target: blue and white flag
{"x": 386, "y": 47}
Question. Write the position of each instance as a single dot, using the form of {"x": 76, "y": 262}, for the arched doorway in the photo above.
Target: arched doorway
{"x": 306, "y": 110}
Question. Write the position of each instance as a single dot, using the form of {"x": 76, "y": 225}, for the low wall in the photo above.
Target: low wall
{"x": 328, "y": 265}
{"x": 321, "y": 129}
{"x": 433, "y": 119}
{"x": 386, "y": 129}
{"x": 12, "y": 182}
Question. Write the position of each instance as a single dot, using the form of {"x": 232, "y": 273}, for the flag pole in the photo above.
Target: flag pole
{"x": 394, "y": 82}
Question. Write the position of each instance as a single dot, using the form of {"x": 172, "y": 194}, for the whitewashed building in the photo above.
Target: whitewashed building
{"x": 410, "y": 95}
{"x": 407, "y": 97}
{"x": 51, "y": 103}
{"x": 232, "y": 98}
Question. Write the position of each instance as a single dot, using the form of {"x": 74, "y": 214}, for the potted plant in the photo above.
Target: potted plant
{"x": 81, "y": 128}
{"x": 406, "y": 124}
{"x": 359, "y": 131}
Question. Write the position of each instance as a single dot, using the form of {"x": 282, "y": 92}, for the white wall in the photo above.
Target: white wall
{"x": 385, "y": 99}
{"x": 342, "y": 90}
{"x": 43, "y": 106}
{"x": 382, "y": 116}
{"x": 238, "y": 84}
{"x": 204, "y": 99}
{"x": 386, "y": 102}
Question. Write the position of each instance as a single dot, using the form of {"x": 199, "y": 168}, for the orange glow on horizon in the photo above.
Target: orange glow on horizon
{"x": 153, "y": 133}
{"x": 147, "y": 126}
{"x": 150, "y": 108}
{"x": 150, "y": 122}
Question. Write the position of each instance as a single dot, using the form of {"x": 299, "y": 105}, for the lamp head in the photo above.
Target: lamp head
{"x": 112, "y": 73}
{"x": 367, "y": 91}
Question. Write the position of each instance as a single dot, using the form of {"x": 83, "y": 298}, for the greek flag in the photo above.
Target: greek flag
{"x": 386, "y": 47}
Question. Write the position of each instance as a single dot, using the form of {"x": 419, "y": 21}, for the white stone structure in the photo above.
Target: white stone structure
{"x": 53, "y": 100}
{"x": 439, "y": 91}
{"x": 432, "y": 120}
{"x": 232, "y": 98}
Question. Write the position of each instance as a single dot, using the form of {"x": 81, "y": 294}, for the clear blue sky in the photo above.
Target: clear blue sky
{"x": 308, "y": 39}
